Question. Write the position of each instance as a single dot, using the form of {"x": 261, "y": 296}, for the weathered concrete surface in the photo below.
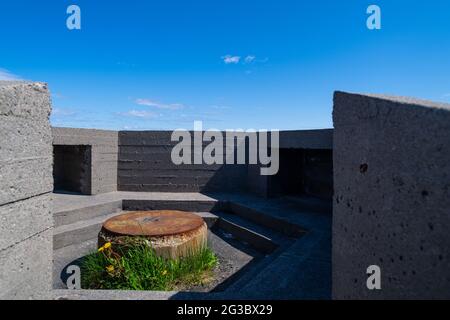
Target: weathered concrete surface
{"x": 24, "y": 219}
{"x": 25, "y": 184}
{"x": 25, "y": 155}
{"x": 145, "y": 164}
{"x": 307, "y": 139}
{"x": 305, "y": 165}
{"x": 392, "y": 197}
{"x": 103, "y": 158}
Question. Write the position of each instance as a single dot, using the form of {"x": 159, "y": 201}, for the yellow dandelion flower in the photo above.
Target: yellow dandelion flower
{"x": 101, "y": 249}
{"x": 110, "y": 268}
{"x": 107, "y": 245}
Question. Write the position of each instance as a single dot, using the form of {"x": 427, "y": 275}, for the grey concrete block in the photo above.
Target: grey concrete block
{"x": 195, "y": 206}
{"x": 24, "y": 138}
{"x": 24, "y": 100}
{"x": 23, "y": 219}
{"x": 86, "y": 213}
{"x": 25, "y": 184}
{"x": 104, "y": 154}
{"x": 25, "y": 151}
{"x": 392, "y": 197}
{"x": 26, "y": 268}
{"x": 23, "y": 178}
{"x": 75, "y": 136}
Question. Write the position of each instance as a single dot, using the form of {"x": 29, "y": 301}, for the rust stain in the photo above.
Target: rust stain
{"x": 153, "y": 223}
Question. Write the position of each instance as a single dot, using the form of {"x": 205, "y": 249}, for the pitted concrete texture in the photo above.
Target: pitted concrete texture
{"x": 392, "y": 197}
{"x": 25, "y": 186}
{"x": 104, "y": 154}
{"x": 25, "y": 154}
{"x": 24, "y": 219}
{"x": 26, "y": 268}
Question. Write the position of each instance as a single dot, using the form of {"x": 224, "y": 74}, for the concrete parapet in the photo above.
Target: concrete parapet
{"x": 391, "y": 197}
{"x": 25, "y": 187}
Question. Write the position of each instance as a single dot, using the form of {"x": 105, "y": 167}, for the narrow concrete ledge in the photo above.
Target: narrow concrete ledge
{"x": 64, "y": 294}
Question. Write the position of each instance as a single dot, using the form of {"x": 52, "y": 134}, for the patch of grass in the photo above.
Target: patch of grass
{"x": 138, "y": 268}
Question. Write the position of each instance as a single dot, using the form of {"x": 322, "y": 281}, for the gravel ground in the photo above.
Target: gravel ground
{"x": 232, "y": 255}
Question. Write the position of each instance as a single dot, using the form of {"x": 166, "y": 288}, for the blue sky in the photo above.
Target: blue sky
{"x": 232, "y": 64}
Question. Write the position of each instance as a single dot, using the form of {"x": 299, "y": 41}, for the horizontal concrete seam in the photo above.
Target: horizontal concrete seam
{"x": 26, "y": 198}
{"x": 24, "y": 159}
{"x": 25, "y": 239}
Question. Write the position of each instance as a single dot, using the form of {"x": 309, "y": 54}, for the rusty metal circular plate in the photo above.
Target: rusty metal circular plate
{"x": 153, "y": 223}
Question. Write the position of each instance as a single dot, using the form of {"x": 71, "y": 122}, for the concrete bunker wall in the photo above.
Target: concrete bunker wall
{"x": 391, "y": 205}
{"x": 141, "y": 161}
{"x": 95, "y": 168}
{"x": 26, "y": 221}
{"x": 306, "y": 166}
{"x": 391, "y": 188}
{"x": 145, "y": 165}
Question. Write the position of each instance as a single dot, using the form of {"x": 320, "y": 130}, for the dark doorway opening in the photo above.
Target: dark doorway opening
{"x": 304, "y": 172}
{"x": 72, "y": 168}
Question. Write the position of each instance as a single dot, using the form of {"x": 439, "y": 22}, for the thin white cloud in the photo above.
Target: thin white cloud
{"x": 150, "y": 103}
{"x": 446, "y": 95}
{"x": 229, "y": 59}
{"x": 249, "y": 59}
{"x": 8, "y": 76}
{"x": 138, "y": 114}
{"x": 219, "y": 107}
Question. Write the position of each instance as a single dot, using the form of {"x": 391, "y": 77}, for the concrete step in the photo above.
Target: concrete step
{"x": 80, "y": 231}
{"x": 261, "y": 238}
{"x": 269, "y": 221}
{"x": 86, "y": 213}
{"x": 266, "y": 240}
{"x": 311, "y": 204}
{"x": 247, "y": 277}
{"x": 302, "y": 271}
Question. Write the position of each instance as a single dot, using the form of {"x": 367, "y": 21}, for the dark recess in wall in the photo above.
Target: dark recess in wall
{"x": 303, "y": 172}
{"x": 72, "y": 168}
